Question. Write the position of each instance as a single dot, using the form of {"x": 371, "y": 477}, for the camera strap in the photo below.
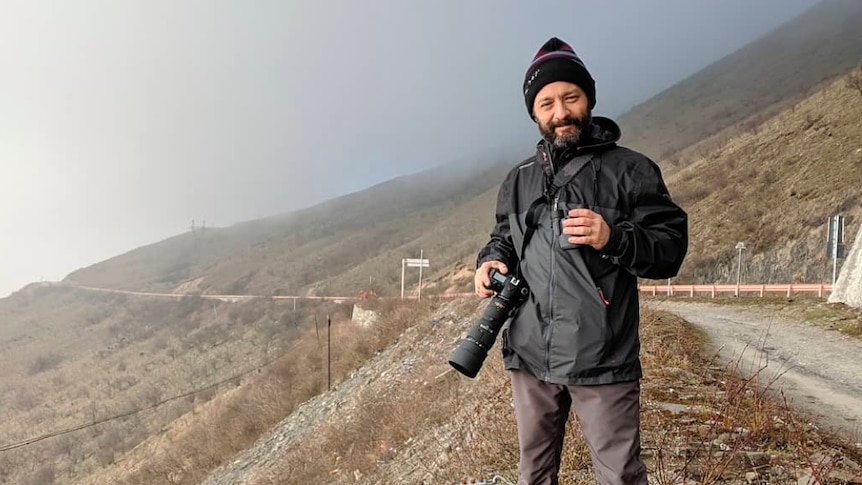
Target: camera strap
{"x": 563, "y": 177}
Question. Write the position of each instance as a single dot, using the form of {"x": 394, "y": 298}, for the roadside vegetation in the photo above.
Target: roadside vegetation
{"x": 702, "y": 422}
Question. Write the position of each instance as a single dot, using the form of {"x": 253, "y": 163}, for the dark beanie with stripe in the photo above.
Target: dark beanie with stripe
{"x": 556, "y": 61}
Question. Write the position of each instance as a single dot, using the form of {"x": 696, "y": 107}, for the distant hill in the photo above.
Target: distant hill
{"x": 292, "y": 253}
{"x": 757, "y": 81}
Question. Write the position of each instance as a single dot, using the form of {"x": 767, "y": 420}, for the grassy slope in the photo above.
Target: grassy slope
{"x": 774, "y": 187}
{"x": 71, "y": 357}
{"x": 419, "y": 422}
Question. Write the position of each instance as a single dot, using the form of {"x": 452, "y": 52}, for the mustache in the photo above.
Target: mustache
{"x": 568, "y": 120}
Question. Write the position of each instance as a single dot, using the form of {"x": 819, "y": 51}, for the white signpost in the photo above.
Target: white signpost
{"x": 420, "y": 263}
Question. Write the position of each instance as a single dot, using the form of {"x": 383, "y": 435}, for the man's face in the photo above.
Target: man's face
{"x": 562, "y": 110}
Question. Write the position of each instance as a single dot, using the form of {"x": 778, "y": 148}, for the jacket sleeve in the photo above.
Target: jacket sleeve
{"x": 653, "y": 241}
{"x": 500, "y": 247}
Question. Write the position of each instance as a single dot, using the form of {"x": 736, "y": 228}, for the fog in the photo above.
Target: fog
{"x": 122, "y": 121}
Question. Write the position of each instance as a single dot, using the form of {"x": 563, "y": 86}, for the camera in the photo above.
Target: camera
{"x": 472, "y": 351}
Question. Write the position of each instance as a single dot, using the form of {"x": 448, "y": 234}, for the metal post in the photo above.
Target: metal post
{"x": 421, "y": 254}
{"x": 835, "y": 235}
{"x": 740, "y": 246}
{"x": 834, "y": 270}
{"x": 403, "y": 261}
{"x": 328, "y": 353}
{"x": 834, "y": 242}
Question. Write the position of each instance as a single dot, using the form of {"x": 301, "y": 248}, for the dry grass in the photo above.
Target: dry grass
{"x": 774, "y": 188}
{"x": 199, "y": 442}
{"x": 72, "y": 358}
{"x": 418, "y": 420}
{"x": 702, "y": 423}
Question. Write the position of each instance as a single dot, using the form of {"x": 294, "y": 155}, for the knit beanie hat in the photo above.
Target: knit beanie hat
{"x": 556, "y": 61}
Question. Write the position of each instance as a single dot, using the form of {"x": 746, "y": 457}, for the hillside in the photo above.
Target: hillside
{"x": 405, "y": 417}
{"x": 756, "y": 81}
{"x": 774, "y": 187}
{"x": 292, "y": 253}
{"x": 71, "y": 357}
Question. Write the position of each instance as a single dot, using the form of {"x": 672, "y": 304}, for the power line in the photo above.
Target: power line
{"x": 53, "y": 434}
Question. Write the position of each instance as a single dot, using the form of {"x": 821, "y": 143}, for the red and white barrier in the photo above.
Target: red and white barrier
{"x": 787, "y": 289}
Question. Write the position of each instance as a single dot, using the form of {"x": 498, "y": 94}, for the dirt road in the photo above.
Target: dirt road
{"x": 820, "y": 371}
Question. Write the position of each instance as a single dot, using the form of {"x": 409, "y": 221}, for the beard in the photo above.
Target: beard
{"x": 568, "y": 139}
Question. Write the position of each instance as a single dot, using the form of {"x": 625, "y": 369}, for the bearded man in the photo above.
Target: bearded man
{"x": 579, "y": 222}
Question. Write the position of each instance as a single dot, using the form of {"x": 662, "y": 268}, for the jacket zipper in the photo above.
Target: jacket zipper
{"x": 550, "y": 330}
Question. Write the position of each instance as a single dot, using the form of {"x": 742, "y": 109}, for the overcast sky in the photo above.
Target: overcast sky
{"x": 121, "y": 121}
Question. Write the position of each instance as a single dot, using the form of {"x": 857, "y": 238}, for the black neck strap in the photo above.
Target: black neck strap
{"x": 563, "y": 177}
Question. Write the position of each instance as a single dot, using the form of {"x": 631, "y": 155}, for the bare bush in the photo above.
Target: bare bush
{"x": 45, "y": 474}
{"x": 854, "y": 80}
{"x": 109, "y": 442}
{"x": 45, "y": 363}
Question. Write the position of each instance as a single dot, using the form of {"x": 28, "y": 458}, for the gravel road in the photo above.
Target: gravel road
{"x": 820, "y": 371}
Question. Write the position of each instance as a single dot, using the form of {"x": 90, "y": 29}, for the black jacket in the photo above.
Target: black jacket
{"x": 580, "y": 323}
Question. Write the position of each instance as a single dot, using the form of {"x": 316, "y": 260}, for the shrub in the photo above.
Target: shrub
{"x": 44, "y": 363}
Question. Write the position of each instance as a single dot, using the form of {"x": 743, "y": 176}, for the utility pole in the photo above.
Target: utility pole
{"x": 421, "y": 253}
{"x": 403, "y": 265}
{"x": 740, "y": 246}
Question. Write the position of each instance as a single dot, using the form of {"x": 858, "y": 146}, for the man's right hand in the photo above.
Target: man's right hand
{"x": 482, "y": 280}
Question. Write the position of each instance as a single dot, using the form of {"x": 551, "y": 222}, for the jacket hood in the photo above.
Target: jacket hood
{"x": 603, "y": 131}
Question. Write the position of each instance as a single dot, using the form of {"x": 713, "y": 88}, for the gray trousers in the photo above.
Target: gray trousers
{"x": 610, "y": 419}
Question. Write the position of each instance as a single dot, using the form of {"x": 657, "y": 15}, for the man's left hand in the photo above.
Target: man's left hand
{"x": 586, "y": 227}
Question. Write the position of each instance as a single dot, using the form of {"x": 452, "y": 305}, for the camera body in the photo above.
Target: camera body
{"x": 472, "y": 351}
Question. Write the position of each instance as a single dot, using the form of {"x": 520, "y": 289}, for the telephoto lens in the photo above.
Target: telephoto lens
{"x": 472, "y": 351}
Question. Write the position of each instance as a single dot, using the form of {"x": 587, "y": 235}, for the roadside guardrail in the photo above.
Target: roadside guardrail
{"x": 760, "y": 289}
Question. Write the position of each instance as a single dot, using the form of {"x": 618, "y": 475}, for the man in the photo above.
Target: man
{"x": 579, "y": 222}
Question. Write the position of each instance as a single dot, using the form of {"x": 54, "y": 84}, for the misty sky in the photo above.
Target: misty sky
{"x": 121, "y": 121}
